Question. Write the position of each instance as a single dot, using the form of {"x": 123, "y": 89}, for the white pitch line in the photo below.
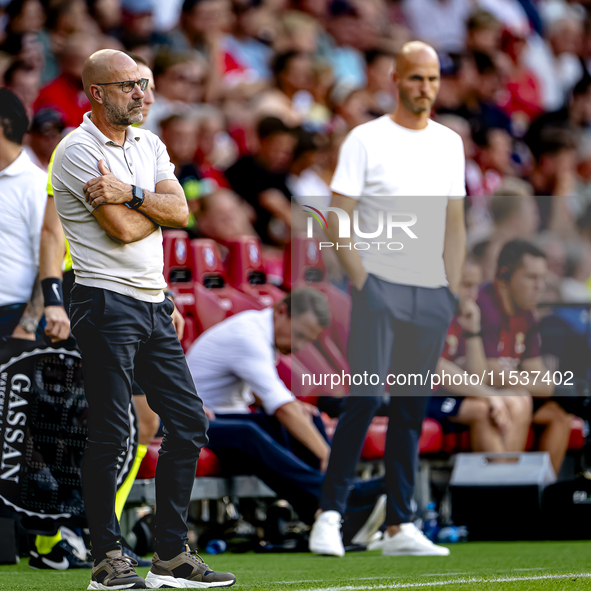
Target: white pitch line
{"x": 444, "y": 574}
{"x": 357, "y": 579}
{"x": 471, "y": 581}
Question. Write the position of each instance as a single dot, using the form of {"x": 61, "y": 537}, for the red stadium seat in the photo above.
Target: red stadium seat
{"x": 304, "y": 268}
{"x": 431, "y": 440}
{"x": 246, "y": 272}
{"x": 208, "y": 464}
{"x": 207, "y": 298}
{"x": 460, "y": 442}
{"x": 189, "y": 334}
{"x": 375, "y": 440}
{"x": 209, "y": 272}
{"x": 148, "y": 465}
{"x": 450, "y": 442}
{"x": 178, "y": 257}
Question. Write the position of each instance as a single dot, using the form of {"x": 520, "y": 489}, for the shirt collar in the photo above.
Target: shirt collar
{"x": 131, "y": 134}
{"x": 18, "y": 166}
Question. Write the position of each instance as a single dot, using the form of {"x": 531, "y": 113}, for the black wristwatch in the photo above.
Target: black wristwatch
{"x": 138, "y": 198}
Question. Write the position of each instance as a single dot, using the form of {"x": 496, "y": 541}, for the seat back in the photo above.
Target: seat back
{"x": 208, "y": 268}
{"x": 303, "y": 265}
{"x": 246, "y": 272}
{"x": 210, "y": 278}
{"x": 178, "y": 257}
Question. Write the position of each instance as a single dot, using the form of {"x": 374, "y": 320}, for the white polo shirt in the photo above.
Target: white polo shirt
{"x": 235, "y": 358}
{"x": 393, "y": 170}
{"x": 131, "y": 269}
{"x": 22, "y": 207}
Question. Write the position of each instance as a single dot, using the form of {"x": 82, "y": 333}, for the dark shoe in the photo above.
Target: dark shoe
{"x": 116, "y": 572}
{"x": 61, "y": 557}
{"x": 186, "y": 571}
{"x": 142, "y": 562}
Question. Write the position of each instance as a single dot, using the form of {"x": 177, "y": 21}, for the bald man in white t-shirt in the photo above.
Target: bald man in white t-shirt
{"x": 400, "y": 178}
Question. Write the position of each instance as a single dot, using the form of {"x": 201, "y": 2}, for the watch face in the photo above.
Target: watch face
{"x": 29, "y": 325}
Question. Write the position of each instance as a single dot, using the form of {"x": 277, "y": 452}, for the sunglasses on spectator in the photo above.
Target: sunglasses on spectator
{"x": 128, "y": 85}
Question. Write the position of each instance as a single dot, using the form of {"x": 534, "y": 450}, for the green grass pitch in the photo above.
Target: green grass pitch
{"x": 475, "y": 566}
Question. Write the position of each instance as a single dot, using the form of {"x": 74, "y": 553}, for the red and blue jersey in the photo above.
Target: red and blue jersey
{"x": 510, "y": 338}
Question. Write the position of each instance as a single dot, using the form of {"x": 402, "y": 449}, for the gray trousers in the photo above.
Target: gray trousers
{"x": 396, "y": 329}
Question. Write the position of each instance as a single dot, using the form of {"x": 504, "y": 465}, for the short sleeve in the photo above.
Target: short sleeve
{"x": 49, "y": 189}
{"x": 164, "y": 167}
{"x": 35, "y": 212}
{"x": 458, "y": 189}
{"x": 256, "y": 366}
{"x": 79, "y": 164}
{"x": 349, "y": 176}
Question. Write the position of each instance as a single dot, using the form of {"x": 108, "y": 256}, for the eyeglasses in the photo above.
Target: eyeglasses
{"x": 128, "y": 85}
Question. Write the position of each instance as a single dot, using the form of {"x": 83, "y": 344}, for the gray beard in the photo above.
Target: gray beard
{"x": 121, "y": 116}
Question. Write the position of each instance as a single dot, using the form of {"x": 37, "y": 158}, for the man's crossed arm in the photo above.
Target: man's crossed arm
{"x": 167, "y": 206}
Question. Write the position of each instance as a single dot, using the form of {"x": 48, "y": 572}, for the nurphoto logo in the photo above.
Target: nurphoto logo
{"x": 393, "y": 220}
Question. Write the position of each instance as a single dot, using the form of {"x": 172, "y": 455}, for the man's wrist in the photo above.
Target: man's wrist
{"x": 29, "y": 325}
{"x": 53, "y": 294}
{"x": 137, "y": 197}
{"x": 469, "y": 334}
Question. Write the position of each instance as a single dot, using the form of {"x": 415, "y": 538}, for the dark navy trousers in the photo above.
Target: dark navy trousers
{"x": 123, "y": 339}
{"x": 245, "y": 446}
{"x": 397, "y": 329}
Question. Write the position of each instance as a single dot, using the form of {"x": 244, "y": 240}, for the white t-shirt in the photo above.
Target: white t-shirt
{"x": 401, "y": 174}
{"x": 235, "y": 358}
{"x": 309, "y": 184}
{"x": 22, "y": 207}
{"x": 132, "y": 269}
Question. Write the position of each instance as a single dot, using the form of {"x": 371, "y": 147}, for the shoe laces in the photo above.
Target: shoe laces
{"x": 416, "y": 533}
{"x": 122, "y": 565}
{"x": 192, "y": 554}
{"x": 332, "y": 518}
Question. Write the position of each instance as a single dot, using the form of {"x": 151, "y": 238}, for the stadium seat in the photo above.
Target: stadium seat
{"x": 208, "y": 464}
{"x": 209, "y": 272}
{"x": 431, "y": 440}
{"x": 460, "y": 441}
{"x": 246, "y": 272}
{"x": 189, "y": 334}
{"x": 178, "y": 257}
{"x": 304, "y": 268}
{"x": 205, "y": 298}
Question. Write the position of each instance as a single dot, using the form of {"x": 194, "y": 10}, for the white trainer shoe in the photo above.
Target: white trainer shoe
{"x": 410, "y": 542}
{"x": 325, "y": 536}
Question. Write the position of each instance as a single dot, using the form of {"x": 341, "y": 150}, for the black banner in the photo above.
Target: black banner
{"x": 43, "y": 414}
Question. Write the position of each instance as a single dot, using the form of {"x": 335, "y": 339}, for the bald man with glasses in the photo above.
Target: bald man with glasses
{"x": 114, "y": 187}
